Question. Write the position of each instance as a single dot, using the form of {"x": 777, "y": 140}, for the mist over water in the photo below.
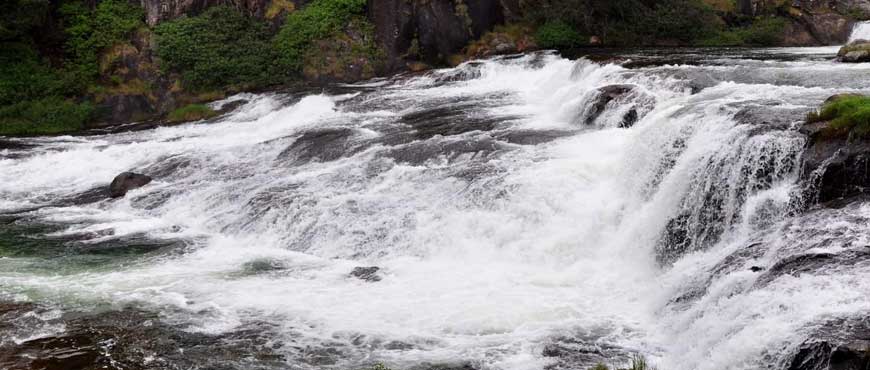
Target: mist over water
{"x": 506, "y": 216}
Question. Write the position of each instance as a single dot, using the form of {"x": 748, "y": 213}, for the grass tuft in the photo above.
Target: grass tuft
{"x": 847, "y": 114}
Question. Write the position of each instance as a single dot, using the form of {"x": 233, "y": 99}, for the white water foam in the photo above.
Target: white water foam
{"x": 860, "y": 31}
{"x": 548, "y": 240}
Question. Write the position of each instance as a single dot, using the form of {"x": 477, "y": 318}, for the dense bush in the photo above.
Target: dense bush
{"x": 681, "y": 20}
{"x": 36, "y": 97}
{"x": 89, "y": 32}
{"x": 51, "y": 115}
{"x": 26, "y": 76}
{"x": 847, "y": 114}
{"x": 216, "y": 49}
{"x": 762, "y": 32}
{"x": 558, "y": 35}
{"x": 320, "y": 19}
{"x": 628, "y": 22}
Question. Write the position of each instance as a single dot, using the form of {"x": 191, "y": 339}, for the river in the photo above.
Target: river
{"x": 518, "y": 221}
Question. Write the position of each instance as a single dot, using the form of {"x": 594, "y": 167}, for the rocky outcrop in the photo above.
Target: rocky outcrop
{"x": 838, "y": 345}
{"x": 431, "y": 31}
{"x": 855, "y": 52}
{"x": 836, "y": 164}
{"x": 127, "y": 181}
{"x": 626, "y": 102}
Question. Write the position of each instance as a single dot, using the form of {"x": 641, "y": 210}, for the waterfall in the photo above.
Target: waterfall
{"x": 860, "y": 31}
{"x": 524, "y": 213}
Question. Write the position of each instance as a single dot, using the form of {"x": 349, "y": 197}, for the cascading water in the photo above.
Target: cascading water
{"x": 519, "y": 220}
{"x": 860, "y": 31}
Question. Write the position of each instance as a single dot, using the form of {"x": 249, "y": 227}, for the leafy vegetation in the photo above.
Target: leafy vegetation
{"x": 192, "y": 112}
{"x": 89, "y": 32}
{"x": 319, "y": 20}
{"x": 558, "y": 35}
{"x": 847, "y": 114}
{"x": 765, "y": 31}
{"x": 217, "y": 49}
{"x": 51, "y": 115}
{"x": 37, "y": 97}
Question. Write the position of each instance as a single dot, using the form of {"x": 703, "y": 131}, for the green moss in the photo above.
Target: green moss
{"x": 319, "y": 20}
{"x": 192, "y": 112}
{"x": 558, "y": 35}
{"x": 217, "y": 49}
{"x": 52, "y": 115}
{"x": 847, "y": 114}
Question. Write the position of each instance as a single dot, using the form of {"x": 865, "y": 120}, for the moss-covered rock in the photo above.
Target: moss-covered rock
{"x": 348, "y": 55}
{"x": 856, "y": 52}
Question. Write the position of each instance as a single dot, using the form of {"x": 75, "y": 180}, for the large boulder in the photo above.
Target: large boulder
{"x": 855, "y": 52}
{"x": 127, "y": 181}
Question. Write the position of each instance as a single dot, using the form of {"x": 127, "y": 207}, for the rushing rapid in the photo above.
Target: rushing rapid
{"x": 524, "y": 212}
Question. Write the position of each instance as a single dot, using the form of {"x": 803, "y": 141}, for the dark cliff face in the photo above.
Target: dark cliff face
{"x": 431, "y": 31}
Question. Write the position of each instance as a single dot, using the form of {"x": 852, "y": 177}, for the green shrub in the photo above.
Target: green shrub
{"x": 52, "y": 115}
{"x": 846, "y": 114}
{"x": 26, "y": 76}
{"x": 192, "y": 112}
{"x": 558, "y": 35}
{"x": 90, "y": 32}
{"x": 219, "y": 48}
{"x": 681, "y": 20}
{"x": 762, "y": 32}
{"x": 320, "y": 19}
{"x": 19, "y": 17}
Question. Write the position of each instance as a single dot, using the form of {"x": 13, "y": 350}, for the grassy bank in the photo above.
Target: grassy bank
{"x": 847, "y": 115}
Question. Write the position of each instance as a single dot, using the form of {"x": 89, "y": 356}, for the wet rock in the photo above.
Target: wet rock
{"x": 856, "y": 52}
{"x": 836, "y": 164}
{"x": 446, "y": 366}
{"x": 581, "y": 352}
{"x": 842, "y": 344}
{"x": 620, "y": 95}
{"x": 324, "y": 145}
{"x": 532, "y": 137}
{"x": 369, "y": 274}
{"x": 417, "y": 153}
{"x": 127, "y": 181}
{"x": 131, "y": 339}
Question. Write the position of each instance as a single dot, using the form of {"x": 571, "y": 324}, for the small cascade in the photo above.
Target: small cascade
{"x": 860, "y": 31}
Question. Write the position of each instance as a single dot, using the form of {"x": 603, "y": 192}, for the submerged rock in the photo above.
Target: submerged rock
{"x": 612, "y": 97}
{"x": 127, "y": 181}
{"x": 369, "y": 274}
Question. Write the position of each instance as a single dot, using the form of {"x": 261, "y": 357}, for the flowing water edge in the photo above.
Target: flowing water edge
{"x": 517, "y": 218}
